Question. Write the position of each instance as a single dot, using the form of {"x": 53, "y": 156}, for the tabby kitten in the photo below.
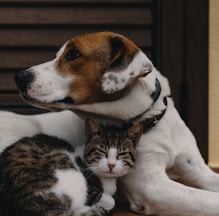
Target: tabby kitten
{"x": 44, "y": 176}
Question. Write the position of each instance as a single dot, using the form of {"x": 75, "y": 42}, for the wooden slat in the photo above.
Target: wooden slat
{"x": 8, "y": 99}
{"x": 7, "y": 82}
{"x": 53, "y": 37}
{"x": 76, "y": 15}
{"x": 13, "y": 102}
{"x": 76, "y": 1}
{"x": 24, "y": 58}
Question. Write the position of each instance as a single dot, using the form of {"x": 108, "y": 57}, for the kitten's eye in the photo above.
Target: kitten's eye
{"x": 101, "y": 152}
{"x": 122, "y": 154}
{"x": 72, "y": 55}
{"x": 98, "y": 155}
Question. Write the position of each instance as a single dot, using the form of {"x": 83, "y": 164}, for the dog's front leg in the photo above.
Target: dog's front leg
{"x": 193, "y": 170}
{"x": 150, "y": 191}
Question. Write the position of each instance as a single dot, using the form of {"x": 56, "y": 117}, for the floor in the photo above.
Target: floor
{"x": 122, "y": 209}
{"x": 123, "y": 213}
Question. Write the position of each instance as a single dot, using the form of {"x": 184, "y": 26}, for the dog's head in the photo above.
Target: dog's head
{"x": 88, "y": 69}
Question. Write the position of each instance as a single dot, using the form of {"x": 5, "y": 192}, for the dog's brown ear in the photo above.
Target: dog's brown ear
{"x": 128, "y": 63}
{"x": 118, "y": 51}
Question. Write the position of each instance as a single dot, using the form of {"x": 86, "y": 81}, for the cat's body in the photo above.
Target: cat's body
{"x": 44, "y": 176}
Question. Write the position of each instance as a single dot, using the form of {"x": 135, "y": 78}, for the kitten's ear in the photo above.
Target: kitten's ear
{"x": 135, "y": 133}
{"x": 92, "y": 127}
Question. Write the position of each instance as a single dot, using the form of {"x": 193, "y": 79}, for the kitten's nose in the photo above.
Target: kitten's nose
{"x": 111, "y": 166}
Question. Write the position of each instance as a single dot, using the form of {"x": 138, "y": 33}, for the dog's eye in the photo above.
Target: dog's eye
{"x": 72, "y": 55}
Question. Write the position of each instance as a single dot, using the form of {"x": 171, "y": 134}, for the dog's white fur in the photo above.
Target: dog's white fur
{"x": 65, "y": 125}
{"x": 167, "y": 152}
{"x": 47, "y": 89}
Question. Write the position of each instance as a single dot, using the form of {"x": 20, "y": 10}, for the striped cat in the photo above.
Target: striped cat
{"x": 44, "y": 176}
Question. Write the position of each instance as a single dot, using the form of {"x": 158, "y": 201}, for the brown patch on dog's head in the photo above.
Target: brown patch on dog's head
{"x": 86, "y": 58}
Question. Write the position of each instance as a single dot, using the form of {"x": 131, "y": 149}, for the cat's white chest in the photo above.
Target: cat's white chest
{"x": 109, "y": 185}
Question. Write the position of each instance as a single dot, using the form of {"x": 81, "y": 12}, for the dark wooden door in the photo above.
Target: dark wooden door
{"x": 182, "y": 55}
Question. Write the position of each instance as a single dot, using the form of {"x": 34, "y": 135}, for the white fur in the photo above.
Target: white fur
{"x": 49, "y": 83}
{"x": 112, "y": 155}
{"x": 166, "y": 153}
{"x": 71, "y": 183}
{"x": 109, "y": 185}
{"x": 102, "y": 167}
{"x": 64, "y": 124}
{"x": 106, "y": 201}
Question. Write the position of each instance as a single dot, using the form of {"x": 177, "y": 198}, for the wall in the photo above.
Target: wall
{"x": 214, "y": 83}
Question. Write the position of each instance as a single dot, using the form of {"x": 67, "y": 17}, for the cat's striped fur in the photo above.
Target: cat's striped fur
{"x": 42, "y": 176}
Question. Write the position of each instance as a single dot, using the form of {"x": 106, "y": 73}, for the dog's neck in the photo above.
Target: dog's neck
{"x": 144, "y": 100}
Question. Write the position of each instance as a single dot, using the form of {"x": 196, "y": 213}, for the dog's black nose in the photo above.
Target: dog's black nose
{"x": 23, "y": 79}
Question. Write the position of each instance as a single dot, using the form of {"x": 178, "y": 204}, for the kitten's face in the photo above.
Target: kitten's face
{"x": 110, "y": 153}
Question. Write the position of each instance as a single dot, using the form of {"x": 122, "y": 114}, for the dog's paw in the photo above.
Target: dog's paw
{"x": 106, "y": 202}
{"x": 137, "y": 208}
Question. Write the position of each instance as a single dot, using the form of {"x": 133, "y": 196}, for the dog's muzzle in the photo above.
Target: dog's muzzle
{"x": 23, "y": 80}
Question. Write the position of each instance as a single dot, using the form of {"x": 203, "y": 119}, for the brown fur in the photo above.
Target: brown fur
{"x": 99, "y": 54}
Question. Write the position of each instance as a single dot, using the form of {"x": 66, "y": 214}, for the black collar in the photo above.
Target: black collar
{"x": 155, "y": 95}
{"x": 149, "y": 123}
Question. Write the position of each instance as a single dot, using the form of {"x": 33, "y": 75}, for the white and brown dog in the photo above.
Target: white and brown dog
{"x": 105, "y": 75}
